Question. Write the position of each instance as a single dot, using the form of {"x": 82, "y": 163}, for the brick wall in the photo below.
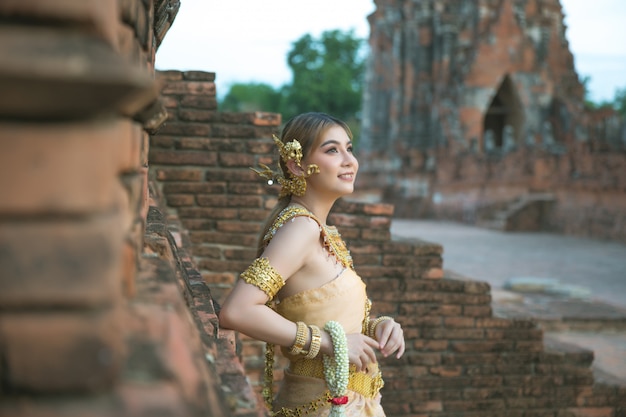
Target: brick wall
{"x": 98, "y": 314}
{"x": 471, "y": 104}
{"x": 461, "y": 360}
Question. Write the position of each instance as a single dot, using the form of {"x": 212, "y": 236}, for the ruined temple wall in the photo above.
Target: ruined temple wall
{"x": 587, "y": 188}
{"x": 436, "y": 65}
{"x": 473, "y": 104}
{"x": 460, "y": 359}
{"x": 94, "y": 319}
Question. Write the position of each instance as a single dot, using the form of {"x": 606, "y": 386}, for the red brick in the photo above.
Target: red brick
{"x": 195, "y": 188}
{"x": 220, "y": 278}
{"x": 65, "y": 167}
{"x": 229, "y": 201}
{"x": 260, "y": 147}
{"x": 162, "y": 76}
{"x": 235, "y": 160}
{"x": 376, "y": 235}
{"x": 200, "y": 102}
{"x": 432, "y": 273}
{"x": 378, "y": 209}
{"x": 52, "y": 351}
{"x": 266, "y": 119}
{"x": 225, "y": 238}
{"x": 181, "y": 174}
{"x": 197, "y": 115}
{"x": 238, "y": 227}
{"x": 211, "y": 213}
{"x": 180, "y": 200}
{"x": 61, "y": 263}
{"x": 459, "y": 322}
{"x": 163, "y": 141}
{"x": 199, "y": 76}
{"x": 186, "y": 129}
{"x": 168, "y": 157}
{"x": 98, "y": 17}
{"x": 189, "y": 87}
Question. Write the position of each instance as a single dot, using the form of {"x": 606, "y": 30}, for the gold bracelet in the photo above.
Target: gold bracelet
{"x": 316, "y": 342}
{"x": 302, "y": 335}
{"x": 372, "y": 327}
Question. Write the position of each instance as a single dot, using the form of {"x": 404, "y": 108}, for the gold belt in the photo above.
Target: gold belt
{"x": 366, "y": 385}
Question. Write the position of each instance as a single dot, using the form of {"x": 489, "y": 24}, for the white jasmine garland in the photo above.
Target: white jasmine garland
{"x": 336, "y": 368}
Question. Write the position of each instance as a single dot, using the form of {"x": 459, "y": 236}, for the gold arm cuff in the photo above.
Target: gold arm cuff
{"x": 302, "y": 336}
{"x": 263, "y": 276}
{"x": 371, "y": 332}
{"x": 316, "y": 342}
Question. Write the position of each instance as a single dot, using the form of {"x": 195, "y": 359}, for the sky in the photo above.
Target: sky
{"x": 248, "y": 40}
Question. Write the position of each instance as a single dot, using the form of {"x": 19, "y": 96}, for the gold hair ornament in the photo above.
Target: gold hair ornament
{"x": 296, "y": 184}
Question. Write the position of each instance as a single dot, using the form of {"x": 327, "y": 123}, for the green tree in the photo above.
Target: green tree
{"x": 619, "y": 102}
{"x": 251, "y": 97}
{"x": 327, "y": 75}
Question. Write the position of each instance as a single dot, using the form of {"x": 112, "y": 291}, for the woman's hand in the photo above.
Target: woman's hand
{"x": 361, "y": 350}
{"x": 390, "y": 338}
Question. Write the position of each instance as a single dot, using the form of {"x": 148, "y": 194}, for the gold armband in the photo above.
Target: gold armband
{"x": 316, "y": 342}
{"x": 263, "y": 276}
{"x": 302, "y": 336}
{"x": 371, "y": 332}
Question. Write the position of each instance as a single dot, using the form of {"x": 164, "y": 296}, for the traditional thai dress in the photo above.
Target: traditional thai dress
{"x": 344, "y": 299}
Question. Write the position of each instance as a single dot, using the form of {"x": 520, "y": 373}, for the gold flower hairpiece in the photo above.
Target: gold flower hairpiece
{"x": 296, "y": 185}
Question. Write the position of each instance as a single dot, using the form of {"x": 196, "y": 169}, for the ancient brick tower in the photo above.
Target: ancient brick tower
{"x": 456, "y": 90}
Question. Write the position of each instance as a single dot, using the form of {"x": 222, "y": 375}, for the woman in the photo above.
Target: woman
{"x": 302, "y": 291}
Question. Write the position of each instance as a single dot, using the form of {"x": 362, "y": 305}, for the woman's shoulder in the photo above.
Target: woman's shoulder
{"x": 302, "y": 219}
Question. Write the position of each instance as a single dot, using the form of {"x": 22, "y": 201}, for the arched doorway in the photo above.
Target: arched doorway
{"x": 504, "y": 118}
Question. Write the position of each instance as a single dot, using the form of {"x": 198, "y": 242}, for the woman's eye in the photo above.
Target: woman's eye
{"x": 350, "y": 149}
{"x": 331, "y": 150}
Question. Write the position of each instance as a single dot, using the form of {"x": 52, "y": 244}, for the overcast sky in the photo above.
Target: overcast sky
{"x": 244, "y": 40}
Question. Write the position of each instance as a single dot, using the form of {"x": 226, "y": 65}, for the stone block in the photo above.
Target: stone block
{"x": 61, "y": 263}
{"x": 78, "y": 76}
{"x": 94, "y": 17}
{"x": 61, "y": 352}
{"x": 65, "y": 167}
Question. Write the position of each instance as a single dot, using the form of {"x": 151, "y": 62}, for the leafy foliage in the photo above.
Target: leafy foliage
{"x": 251, "y": 97}
{"x": 327, "y": 76}
{"x": 619, "y": 102}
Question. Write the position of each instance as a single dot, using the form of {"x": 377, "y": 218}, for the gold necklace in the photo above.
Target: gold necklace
{"x": 331, "y": 238}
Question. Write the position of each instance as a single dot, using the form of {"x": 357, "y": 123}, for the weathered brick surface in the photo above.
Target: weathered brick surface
{"x": 102, "y": 313}
{"x": 79, "y": 164}
{"x": 61, "y": 263}
{"x": 471, "y": 106}
{"x": 96, "y": 17}
{"x": 60, "y": 352}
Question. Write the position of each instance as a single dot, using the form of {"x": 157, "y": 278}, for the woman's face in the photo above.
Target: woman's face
{"x": 338, "y": 166}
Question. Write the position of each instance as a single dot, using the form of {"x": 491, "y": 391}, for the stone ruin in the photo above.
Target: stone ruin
{"x": 473, "y": 111}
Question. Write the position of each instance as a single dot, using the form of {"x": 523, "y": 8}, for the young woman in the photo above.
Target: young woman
{"x": 302, "y": 292}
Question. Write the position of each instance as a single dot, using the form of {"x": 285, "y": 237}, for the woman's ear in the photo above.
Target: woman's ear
{"x": 294, "y": 168}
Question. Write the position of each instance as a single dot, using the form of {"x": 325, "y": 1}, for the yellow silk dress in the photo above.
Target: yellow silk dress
{"x": 344, "y": 299}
